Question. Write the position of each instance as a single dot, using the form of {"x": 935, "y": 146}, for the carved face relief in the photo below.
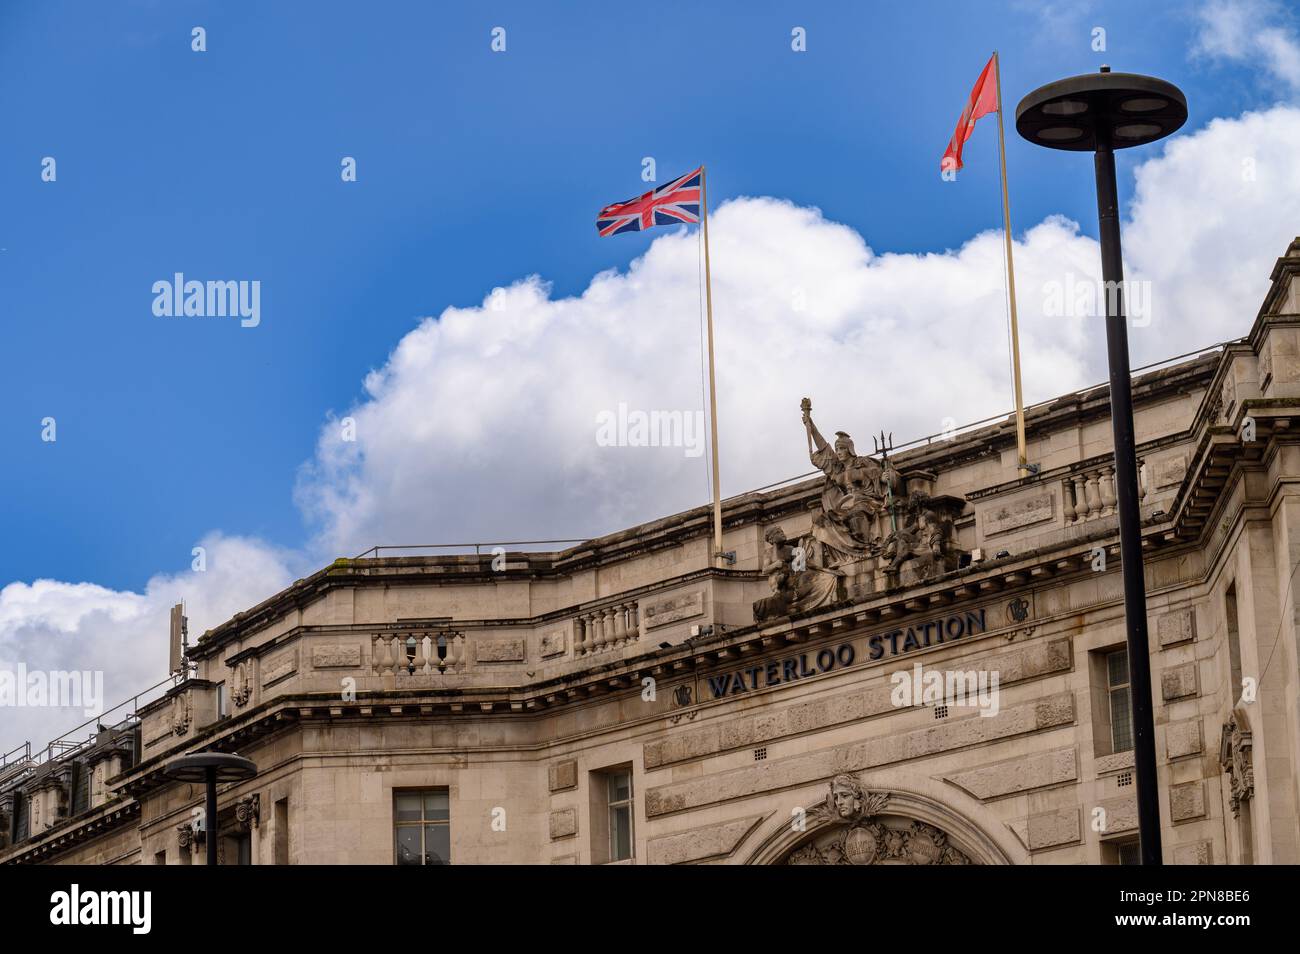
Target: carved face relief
{"x": 846, "y": 798}
{"x": 847, "y": 804}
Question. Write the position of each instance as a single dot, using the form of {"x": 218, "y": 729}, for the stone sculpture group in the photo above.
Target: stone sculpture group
{"x": 874, "y": 529}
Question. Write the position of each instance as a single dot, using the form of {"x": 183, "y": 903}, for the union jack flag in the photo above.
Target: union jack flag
{"x": 678, "y": 201}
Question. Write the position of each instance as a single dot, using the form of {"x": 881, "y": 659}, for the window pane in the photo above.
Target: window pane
{"x": 437, "y": 844}
{"x": 620, "y": 786}
{"x": 436, "y": 806}
{"x": 1121, "y": 720}
{"x": 620, "y": 833}
{"x": 408, "y": 807}
{"x": 408, "y": 845}
{"x": 1129, "y": 853}
{"x": 1117, "y": 664}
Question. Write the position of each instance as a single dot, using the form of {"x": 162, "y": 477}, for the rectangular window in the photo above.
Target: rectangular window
{"x": 222, "y": 709}
{"x": 422, "y": 827}
{"x": 1121, "y": 703}
{"x": 619, "y": 800}
{"x": 612, "y": 805}
{"x": 1121, "y": 852}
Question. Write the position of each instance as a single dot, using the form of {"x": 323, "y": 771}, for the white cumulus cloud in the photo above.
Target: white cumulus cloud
{"x": 1257, "y": 33}
{"x": 48, "y": 626}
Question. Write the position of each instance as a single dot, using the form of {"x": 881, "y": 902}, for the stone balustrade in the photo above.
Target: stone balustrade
{"x": 416, "y": 653}
{"x": 608, "y": 627}
{"x": 612, "y": 626}
{"x": 1089, "y": 493}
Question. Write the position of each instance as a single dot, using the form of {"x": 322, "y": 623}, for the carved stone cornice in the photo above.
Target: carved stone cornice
{"x": 63, "y": 836}
{"x": 1219, "y": 457}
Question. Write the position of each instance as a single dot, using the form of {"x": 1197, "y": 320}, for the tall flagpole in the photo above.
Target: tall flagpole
{"x": 713, "y": 388}
{"x": 1022, "y": 466}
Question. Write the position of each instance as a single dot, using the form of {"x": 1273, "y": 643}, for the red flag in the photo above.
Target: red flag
{"x": 983, "y": 100}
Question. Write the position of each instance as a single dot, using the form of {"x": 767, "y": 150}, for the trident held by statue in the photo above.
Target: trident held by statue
{"x": 883, "y": 446}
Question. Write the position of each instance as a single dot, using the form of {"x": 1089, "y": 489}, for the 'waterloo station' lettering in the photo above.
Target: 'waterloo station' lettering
{"x": 791, "y": 668}
{"x": 918, "y": 637}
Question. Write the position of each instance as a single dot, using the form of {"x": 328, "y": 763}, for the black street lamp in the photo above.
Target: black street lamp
{"x": 1100, "y": 113}
{"x": 210, "y": 768}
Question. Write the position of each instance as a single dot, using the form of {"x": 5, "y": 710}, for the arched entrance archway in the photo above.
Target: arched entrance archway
{"x": 890, "y": 818}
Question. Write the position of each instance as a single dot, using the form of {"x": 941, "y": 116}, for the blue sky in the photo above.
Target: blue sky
{"x": 476, "y": 169}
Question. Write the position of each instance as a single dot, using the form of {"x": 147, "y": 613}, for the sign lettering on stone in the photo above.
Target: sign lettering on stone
{"x": 894, "y": 642}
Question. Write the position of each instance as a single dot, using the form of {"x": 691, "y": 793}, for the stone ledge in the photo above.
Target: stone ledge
{"x": 815, "y": 766}
{"x": 564, "y": 823}
{"x": 1019, "y": 774}
{"x": 1173, "y": 629}
{"x": 562, "y": 776}
{"x": 1199, "y": 853}
{"x": 1116, "y": 762}
{"x": 1121, "y": 814}
{"x": 1183, "y": 739}
{"x": 1019, "y": 665}
{"x": 1178, "y": 682}
{"x": 1187, "y": 801}
{"x": 1055, "y": 828}
{"x": 701, "y": 844}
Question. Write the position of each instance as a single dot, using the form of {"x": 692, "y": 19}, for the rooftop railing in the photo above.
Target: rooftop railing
{"x": 15, "y": 763}
{"x": 478, "y": 547}
{"x": 20, "y": 762}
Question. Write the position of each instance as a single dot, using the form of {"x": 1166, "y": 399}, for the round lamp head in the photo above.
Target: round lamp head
{"x": 1101, "y": 109}
{"x": 194, "y": 768}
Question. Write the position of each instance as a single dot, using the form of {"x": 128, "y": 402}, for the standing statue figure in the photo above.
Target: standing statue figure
{"x": 856, "y": 495}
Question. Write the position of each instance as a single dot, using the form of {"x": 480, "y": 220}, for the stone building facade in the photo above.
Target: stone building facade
{"x": 633, "y": 700}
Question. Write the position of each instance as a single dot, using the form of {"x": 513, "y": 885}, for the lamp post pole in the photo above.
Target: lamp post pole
{"x": 1101, "y": 113}
{"x": 1126, "y": 492}
{"x": 210, "y": 816}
